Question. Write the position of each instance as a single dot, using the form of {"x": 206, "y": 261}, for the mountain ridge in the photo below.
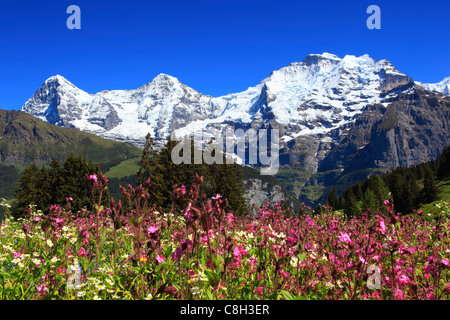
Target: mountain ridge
{"x": 315, "y": 104}
{"x": 165, "y": 105}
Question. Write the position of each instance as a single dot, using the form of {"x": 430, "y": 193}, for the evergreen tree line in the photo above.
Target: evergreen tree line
{"x": 401, "y": 185}
{"x": 224, "y": 179}
{"x": 44, "y": 186}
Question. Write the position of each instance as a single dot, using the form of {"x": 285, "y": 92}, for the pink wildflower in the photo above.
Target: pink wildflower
{"x": 81, "y": 252}
{"x": 188, "y": 209}
{"x": 159, "y": 258}
{"x": 259, "y": 290}
{"x": 398, "y": 295}
{"x": 344, "y": 237}
{"x": 382, "y": 228}
{"x": 218, "y": 196}
{"x": 41, "y": 288}
{"x": 430, "y": 296}
{"x": 403, "y": 279}
{"x": 152, "y": 229}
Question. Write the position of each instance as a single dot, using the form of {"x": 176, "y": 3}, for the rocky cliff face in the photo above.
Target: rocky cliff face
{"x": 409, "y": 129}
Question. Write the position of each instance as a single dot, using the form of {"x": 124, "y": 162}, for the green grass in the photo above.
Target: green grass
{"x": 444, "y": 195}
{"x": 25, "y": 139}
{"x": 125, "y": 168}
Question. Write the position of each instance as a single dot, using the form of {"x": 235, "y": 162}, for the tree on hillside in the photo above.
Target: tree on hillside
{"x": 55, "y": 183}
{"x": 370, "y": 201}
{"x": 357, "y": 191}
{"x": 443, "y": 167}
{"x": 151, "y": 168}
{"x": 350, "y": 207}
{"x": 405, "y": 191}
{"x": 224, "y": 179}
{"x": 26, "y": 194}
{"x": 332, "y": 199}
{"x": 430, "y": 190}
{"x": 44, "y": 187}
{"x": 228, "y": 183}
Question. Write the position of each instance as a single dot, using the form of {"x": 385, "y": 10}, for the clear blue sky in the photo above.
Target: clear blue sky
{"x": 216, "y": 47}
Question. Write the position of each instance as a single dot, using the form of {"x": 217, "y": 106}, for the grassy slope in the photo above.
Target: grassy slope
{"x": 444, "y": 195}
{"x": 123, "y": 169}
{"x": 25, "y": 139}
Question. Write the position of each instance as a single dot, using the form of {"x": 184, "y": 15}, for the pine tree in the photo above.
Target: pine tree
{"x": 430, "y": 190}
{"x": 443, "y": 168}
{"x": 332, "y": 199}
{"x": 27, "y": 190}
{"x": 55, "y": 183}
{"x": 229, "y": 185}
{"x": 357, "y": 191}
{"x": 151, "y": 168}
{"x": 379, "y": 188}
{"x": 350, "y": 207}
{"x": 370, "y": 201}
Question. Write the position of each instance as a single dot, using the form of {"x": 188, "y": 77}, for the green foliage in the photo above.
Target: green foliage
{"x": 224, "y": 179}
{"x": 350, "y": 207}
{"x": 430, "y": 190}
{"x": 369, "y": 201}
{"x": 24, "y": 140}
{"x": 332, "y": 199}
{"x": 405, "y": 190}
{"x": 403, "y": 186}
{"x": 9, "y": 175}
{"x": 45, "y": 187}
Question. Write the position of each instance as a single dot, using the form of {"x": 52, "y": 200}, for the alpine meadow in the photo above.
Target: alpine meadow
{"x": 282, "y": 171}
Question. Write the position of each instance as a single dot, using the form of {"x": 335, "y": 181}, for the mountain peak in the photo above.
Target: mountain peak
{"x": 327, "y": 55}
{"x": 57, "y": 78}
{"x": 165, "y": 78}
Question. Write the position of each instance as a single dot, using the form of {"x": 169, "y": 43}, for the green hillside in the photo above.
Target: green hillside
{"x": 25, "y": 139}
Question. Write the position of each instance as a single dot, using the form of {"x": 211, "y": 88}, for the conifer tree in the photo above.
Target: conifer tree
{"x": 370, "y": 201}
{"x": 357, "y": 190}
{"x": 429, "y": 192}
{"x": 46, "y": 187}
{"x": 332, "y": 199}
{"x": 350, "y": 207}
{"x": 151, "y": 168}
{"x": 27, "y": 191}
{"x": 55, "y": 183}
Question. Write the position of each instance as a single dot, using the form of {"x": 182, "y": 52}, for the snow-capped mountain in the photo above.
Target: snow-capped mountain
{"x": 315, "y": 96}
{"x": 339, "y": 119}
{"x": 442, "y": 87}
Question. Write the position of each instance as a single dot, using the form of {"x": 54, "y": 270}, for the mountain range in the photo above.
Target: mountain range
{"x": 340, "y": 119}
